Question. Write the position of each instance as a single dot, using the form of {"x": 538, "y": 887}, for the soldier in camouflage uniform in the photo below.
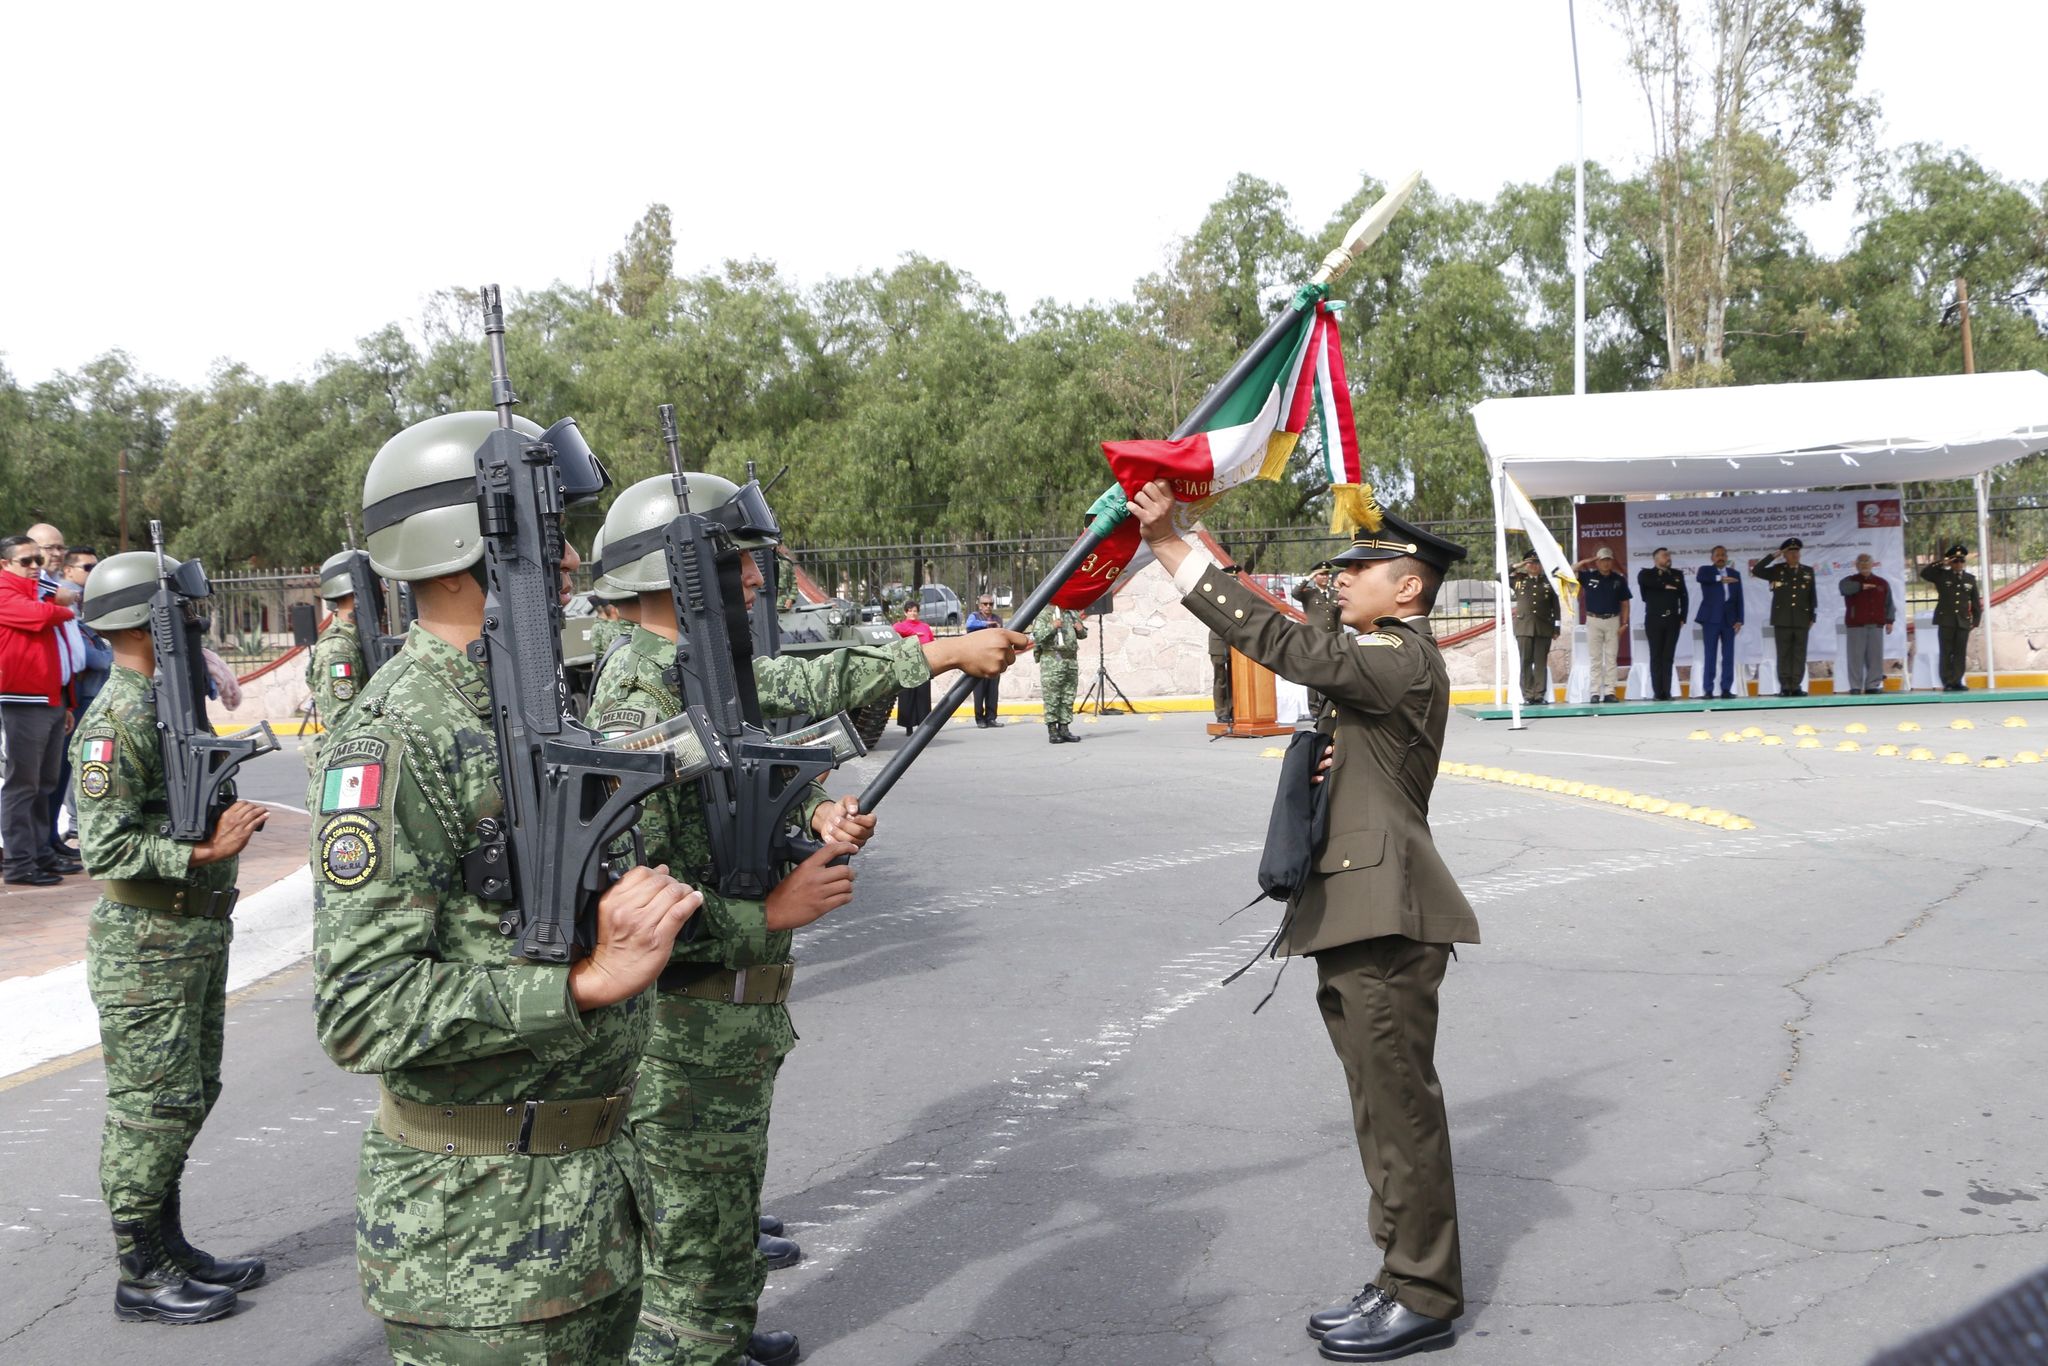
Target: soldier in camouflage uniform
{"x": 156, "y": 962}
{"x": 497, "y": 1196}
{"x": 721, "y": 1029}
{"x": 1058, "y": 634}
{"x": 334, "y": 666}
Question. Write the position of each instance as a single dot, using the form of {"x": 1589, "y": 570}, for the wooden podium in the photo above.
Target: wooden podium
{"x": 1252, "y": 706}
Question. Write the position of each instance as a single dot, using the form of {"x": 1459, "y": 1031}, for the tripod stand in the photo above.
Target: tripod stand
{"x": 1104, "y": 685}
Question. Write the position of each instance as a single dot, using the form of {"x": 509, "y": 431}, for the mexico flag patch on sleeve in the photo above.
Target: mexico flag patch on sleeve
{"x": 99, "y": 750}
{"x": 353, "y": 788}
{"x": 341, "y": 670}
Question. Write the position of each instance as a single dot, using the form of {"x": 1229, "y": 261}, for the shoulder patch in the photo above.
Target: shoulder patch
{"x": 344, "y": 689}
{"x": 349, "y": 850}
{"x": 622, "y": 721}
{"x": 350, "y": 786}
{"x": 94, "y": 780}
{"x": 1379, "y": 638}
{"x": 359, "y": 749}
{"x": 97, "y": 749}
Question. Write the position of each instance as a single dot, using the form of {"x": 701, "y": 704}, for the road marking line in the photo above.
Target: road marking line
{"x": 1583, "y": 754}
{"x": 1992, "y": 815}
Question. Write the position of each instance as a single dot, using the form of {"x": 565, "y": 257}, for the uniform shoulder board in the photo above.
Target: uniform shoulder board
{"x": 1379, "y": 638}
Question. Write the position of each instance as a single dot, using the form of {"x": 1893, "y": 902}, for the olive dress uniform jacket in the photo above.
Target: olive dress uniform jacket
{"x": 1378, "y": 872}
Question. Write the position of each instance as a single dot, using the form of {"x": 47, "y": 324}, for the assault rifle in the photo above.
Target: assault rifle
{"x": 750, "y": 799}
{"x": 199, "y": 766}
{"x": 567, "y": 794}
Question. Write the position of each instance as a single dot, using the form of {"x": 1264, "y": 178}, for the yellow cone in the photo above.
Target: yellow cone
{"x": 1680, "y": 810}
{"x": 1962, "y": 723}
{"x": 1701, "y": 735}
{"x": 1955, "y": 757}
{"x": 2027, "y": 756}
{"x": 1847, "y": 747}
{"x": 1808, "y": 743}
{"x": 1739, "y": 823}
{"x": 1772, "y": 740}
{"x": 1993, "y": 762}
{"x": 1272, "y": 754}
{"x": 1909, "y": 725}
{"x": 1574, "y": 789}
{"x": 1656, "y": 806}
{"x": 1804, "y": 730}
{"x": 1751, "y": 732}
{"x": 1729, "y": 737}
{"x": 1886, "y": 751}
{"x": 2014, "y": 723}
{"x": 1921, "y": 755}
{"x": 1856, "y": 728}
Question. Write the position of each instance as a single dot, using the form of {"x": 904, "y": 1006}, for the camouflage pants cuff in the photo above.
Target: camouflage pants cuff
{"x": 597, "y": 1332}
{"x": 664, "y": 1340}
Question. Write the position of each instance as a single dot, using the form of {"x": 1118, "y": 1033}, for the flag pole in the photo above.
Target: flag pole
{"x": 1111, "y": 508}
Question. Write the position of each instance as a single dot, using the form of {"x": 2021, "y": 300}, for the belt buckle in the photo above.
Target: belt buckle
{"x": 524, "y": 1143}
{"x": 739, "y": 986}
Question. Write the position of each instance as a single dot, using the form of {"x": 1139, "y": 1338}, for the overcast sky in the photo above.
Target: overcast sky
{"x": 271, "y": 182}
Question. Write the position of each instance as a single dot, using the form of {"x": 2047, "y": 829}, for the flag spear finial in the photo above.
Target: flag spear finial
{"x": 1367, "y": 229}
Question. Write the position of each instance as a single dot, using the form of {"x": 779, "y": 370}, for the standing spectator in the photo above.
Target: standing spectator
{"x": 1867, "y": 605}
{"x": 915, "y": 703}
{"x": 87, "y": 680}
{"x": 53, "y": 586}
{"x": 985, "y": 689}
{"x": 1219, "y": 660}
{"x": 35, "y": 716}
{"x": 1720, "y": 621}
{"x": 1605, "y": 591}
{"x": 1665, "y": 602}
{"x": 1794, "y": 605}
{"x": 1958, "y": 607}
{"x": 1537, "y": 614}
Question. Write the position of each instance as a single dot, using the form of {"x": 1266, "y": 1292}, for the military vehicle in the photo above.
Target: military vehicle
{"x": 816, "y": 628}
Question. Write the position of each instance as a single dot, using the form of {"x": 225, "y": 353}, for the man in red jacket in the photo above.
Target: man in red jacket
{"x": 35, "y": 717}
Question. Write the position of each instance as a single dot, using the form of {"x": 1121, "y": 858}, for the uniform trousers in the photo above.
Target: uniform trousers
{"x": 1057, "y": 677}
{"x": 1221, "y": 687}
{"x": 595, "y": 1333}
{"x": 1792, "y": 656}
{"x": 1603, "y": 644}
{"x": 1535, "y": 654}
{"x": 1954, "y": 638}
{"x": 1662, "y": 635}
{"x": 701, "y": 1126}
{"x": 1378, "y": 999}
{"x": 1864, "y": 649}
{"x": 160, "y": 985}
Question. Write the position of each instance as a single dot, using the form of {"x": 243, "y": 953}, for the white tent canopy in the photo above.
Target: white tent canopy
{"x": 1752, "y": 437}
{"x": 1766, "y": 436}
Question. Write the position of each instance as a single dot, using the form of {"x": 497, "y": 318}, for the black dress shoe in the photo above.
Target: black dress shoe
{"x": 770, "y": 1225}
{"x": 1364, "y": 1302}
{"x": 38, "y": 878}
{"x": 67, "y": 867}
{"x": 773, "y": 1349}
{"x": 778, "y": 1252}
{"x": 1388, "y": 1331}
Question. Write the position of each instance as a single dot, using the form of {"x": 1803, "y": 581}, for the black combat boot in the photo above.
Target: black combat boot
{"x": 773, "y": 1349}
{"x": 236, "y": 1273}
{"x": 155, "y": 1289}
{"x": 1052, "y": 735}
{"x": 771, "y": 1226}
{"x": 1067, "y": 734}
{"x": 777, "y": 1252}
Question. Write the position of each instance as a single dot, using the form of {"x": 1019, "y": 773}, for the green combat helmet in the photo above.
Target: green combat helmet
{"x": 604, "y": 589}
{"x": 633, "y": 527}
{"x": 419, "y": 497}
{"x": 335, "y": 583}
{"x": 118, "y": 590}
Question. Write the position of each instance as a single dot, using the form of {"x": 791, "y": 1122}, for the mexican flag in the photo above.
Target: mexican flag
{"x": 1250, "y": 436}
{"x": 341, "y": 670}
{"x": 350, "y": 789}
{"x": 98, "y": 751}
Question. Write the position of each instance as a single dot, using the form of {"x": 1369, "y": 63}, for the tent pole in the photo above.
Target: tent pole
{"x": 1984, "y": 563}
{"x": 1503, "y": 609}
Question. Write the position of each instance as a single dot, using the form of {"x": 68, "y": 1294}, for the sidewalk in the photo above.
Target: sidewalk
{"x": 43, "y": 928}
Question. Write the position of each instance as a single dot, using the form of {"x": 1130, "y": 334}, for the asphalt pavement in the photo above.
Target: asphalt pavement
{"x": 1718, "y": 1095}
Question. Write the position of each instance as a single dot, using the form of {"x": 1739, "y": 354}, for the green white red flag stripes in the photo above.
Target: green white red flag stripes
{"x": 1251, "y": 434}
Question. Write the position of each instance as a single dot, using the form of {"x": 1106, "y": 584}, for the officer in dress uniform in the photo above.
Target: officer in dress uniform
{"x": 1665, "y": 602}
{"x": 1958, "y": 608}
{"x": 499, "y": 1194}
{"x": 1380, "y": 911}
{"x": 1794, "y": 602}
{"x": 1536, "y": 614}
{"x": 156, "y": 965}
{"x": 334, "y": 666}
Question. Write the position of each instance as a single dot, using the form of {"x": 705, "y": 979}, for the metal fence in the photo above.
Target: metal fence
{"x": 252, "y": 614}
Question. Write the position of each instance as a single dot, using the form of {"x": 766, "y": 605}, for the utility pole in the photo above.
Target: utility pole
{"x": 1579, "y": 220}
{"x": 123, "y": 479}
{"x": 1963, "y": 303}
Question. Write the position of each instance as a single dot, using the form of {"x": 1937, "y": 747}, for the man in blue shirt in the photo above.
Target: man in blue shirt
{"x": 980, "y": 619}
{"x": 1604, "y": 590}
{"x": 1720, "y": 617}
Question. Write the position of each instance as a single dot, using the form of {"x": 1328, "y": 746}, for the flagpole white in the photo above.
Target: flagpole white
{"x": 1578, "y": 217}
{"x": 1984, "y": 566}
{"x": 1502, "y": 609}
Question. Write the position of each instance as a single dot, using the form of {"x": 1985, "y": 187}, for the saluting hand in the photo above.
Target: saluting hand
{"x": 814, "y": 888}
{"x": 231, "y": 832}
{"x": 638, "y": 918}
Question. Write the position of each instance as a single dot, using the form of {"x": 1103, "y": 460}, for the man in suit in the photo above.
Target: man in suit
{"x": 1379, "y": 911}
{"x": 1720, "y": 620}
